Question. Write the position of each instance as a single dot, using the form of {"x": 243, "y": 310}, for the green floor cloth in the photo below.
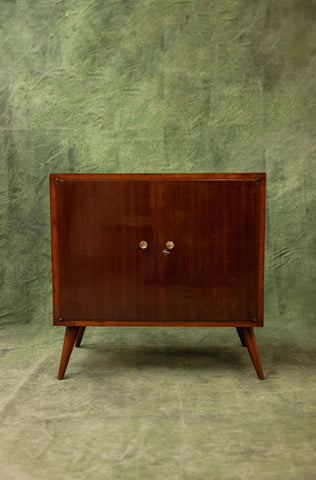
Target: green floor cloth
{"x": 157, "y": 403}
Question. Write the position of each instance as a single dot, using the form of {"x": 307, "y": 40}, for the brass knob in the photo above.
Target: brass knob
{"x": 170, "y": 245}
{"x": 143, "y": 244}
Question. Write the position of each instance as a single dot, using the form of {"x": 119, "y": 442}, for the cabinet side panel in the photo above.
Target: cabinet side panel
{"x": 261, "y": 250}
{"x": 54, "y": 245}
{"x": 103, "y": 274}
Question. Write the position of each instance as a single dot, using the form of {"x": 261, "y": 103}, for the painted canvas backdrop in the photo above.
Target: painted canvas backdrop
{"x": 157, "y": 86}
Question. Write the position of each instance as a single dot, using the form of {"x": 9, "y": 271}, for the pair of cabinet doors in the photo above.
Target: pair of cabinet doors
{"x": 158, "y": 249}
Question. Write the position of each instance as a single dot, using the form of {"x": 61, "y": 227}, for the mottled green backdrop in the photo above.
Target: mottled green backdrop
{"x": 157, "y": 86}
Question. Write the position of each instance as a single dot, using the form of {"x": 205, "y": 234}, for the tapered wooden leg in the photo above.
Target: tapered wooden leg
{"x": 69, "y": 340}
{"x": 241, "y": 336}
{"x": 249, "y": 338}
{"x": 79, "y": 336}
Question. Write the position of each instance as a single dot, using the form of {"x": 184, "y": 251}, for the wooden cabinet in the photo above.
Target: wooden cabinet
{"x": 158, "y": 250}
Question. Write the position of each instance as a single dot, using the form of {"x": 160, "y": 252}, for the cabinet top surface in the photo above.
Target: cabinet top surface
{"x": 158, "y": 176}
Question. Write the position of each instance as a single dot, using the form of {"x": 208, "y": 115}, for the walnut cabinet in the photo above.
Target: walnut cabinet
{"x": 158, "y": 250}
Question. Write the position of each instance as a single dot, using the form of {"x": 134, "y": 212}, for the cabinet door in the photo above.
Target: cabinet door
{"x": 103, "y": 274}
{"x": 211, "y": 274}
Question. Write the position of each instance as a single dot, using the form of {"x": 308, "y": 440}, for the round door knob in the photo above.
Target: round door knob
{"x": 143, "y": 244}
{"x": 170, "y": 245}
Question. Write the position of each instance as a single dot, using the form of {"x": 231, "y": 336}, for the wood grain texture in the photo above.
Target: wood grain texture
{"x": 79, "y": 336}
{"x": 54, "y": 246}
{"x": 212, "y": 273}
{"x": 249, "y": 338}
{"x": 69, "y": 340}
{"x": 261, "y": 253}
{"x": 171, "y": 177}
{"x": 241, "y": 336}
{"x": 194, "y": 208}
{"x": 103, "y": 274}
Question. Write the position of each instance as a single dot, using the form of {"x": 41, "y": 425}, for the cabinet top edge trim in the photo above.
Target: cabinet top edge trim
{"x": 158, "y": 176}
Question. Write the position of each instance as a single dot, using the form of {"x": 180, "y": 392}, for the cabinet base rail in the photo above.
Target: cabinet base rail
{"x": 73, "y": 336}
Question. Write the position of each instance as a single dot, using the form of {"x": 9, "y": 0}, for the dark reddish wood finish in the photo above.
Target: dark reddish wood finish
{"x": 79, "y": 336}
{"x": 69, "y": 340}
{"x": 212, "y": 277}
{"x": 212, "y": 273}
{"x": 249, "y": 338}
{"x": 102, "y": 272}
{"x": 241, "y": 335}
